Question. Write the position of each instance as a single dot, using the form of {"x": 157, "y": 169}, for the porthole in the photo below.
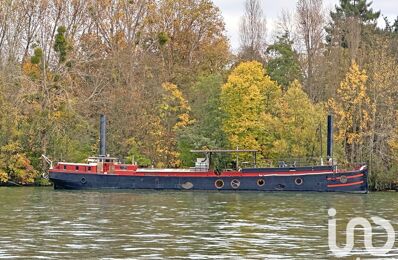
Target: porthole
{"x": 187, "y": 185}
{"x": 83, "y": 180}
{"x": 260, "y": 182}
{"x": 235, "y": 183}
{"x": 298, "y": 181}
{"x": 343, "y": 179}
{"x": 219, "y": 184}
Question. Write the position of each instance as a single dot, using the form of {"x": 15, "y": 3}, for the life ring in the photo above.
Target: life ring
{"x": 343, "y": 179}
{"x": 219, "y": 184}
{"x": 83, "y": 180}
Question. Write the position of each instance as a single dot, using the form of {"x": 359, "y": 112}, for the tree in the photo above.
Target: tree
{"x": 174, "y": 115}
{"x": 61, "y": 45}
{"x": 15, "y": 166}
{"x": 310, "y": 27}
{"x": 348, "y": 21}
{"x": 352, "y": 108}
{"x": 252, "y": 32}
{"x": 248, "y": 99}
{"x": 297, "y": 125}
{"x": 206, "y": 131}
{"x": 188, "y": 39}
{"x": 283, "y": 65}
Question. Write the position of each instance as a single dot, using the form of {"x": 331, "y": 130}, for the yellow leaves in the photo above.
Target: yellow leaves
{"x": 244, "y": 99}
{"x": 32, "y": 70}
{"x": 173, "y": 115}
{"x": 259, "y": 116}
{"x": 174, "y": 97}
{"x": 297, "y": 124}
{"x": 175, "y": 107}
{"x": 183, "y": 121}
{"x": 15, "y": 165}
{"x": 352, "y": 108}
{"x": 3, "y": 176}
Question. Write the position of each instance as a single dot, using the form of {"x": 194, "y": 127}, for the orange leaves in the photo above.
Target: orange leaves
{"x": 15, "y": 165}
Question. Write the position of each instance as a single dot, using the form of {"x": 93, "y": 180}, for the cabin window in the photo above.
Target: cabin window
{"x": 298, "y": 181}
{"x": 260, "y": 182}
{"x": 123, "y": 167}
{"x": 77, "y": 168}
{"x": 89, "y": 168}
{"x": 64, "y": 167}
{"x": 219, "y": 184}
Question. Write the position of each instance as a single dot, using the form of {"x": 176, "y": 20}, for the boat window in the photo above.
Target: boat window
{"x": 219, "y": 184}
{"x": 64, "y": 167}
{"x": 77, "y": 168}
{"x": 123, "y": 167}
{"x": 89, "y": 168}
{"x": 298, "y": 181}
{"x": 260, "y": 182}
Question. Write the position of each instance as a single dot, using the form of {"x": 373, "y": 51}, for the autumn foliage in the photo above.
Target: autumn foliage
{"x": 164, "y": 74}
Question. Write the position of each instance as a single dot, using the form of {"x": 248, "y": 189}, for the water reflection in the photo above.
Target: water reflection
{"x": 47, "y": 224}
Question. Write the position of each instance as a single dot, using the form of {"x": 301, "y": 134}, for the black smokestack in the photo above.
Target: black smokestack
{"x": 329, "y": 150}
{"x": 102, "y": 135}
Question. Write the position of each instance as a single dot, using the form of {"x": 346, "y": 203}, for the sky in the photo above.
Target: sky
{"x": 232, "y": 11}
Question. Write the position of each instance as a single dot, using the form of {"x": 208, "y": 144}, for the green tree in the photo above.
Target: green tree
{"x": 61, "y": 45}
{"x": 283, "y": 65}
{"x": 206, "y": 131}
{"x": 347, "y": 22}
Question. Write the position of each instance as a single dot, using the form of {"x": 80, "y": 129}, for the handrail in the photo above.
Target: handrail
{"x": 47, "y": 161}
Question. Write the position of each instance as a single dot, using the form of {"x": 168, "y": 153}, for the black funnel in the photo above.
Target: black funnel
{"x": 329, "y": 149}
{"x": 102, "y": 135}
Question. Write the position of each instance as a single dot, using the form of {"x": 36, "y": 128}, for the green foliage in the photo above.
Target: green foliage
{"x": 346, "y": 17}
{"x": 163, "y": 38}
{"x": 355, "y": 8}
{"x": 206, "y": 131}
{"x": 61, "y": 45}
{"x": 283, "y": 65}
{"x": 134, "y": 154}
{"x": 38, "y": 54}
{"x": 384, "y": 179}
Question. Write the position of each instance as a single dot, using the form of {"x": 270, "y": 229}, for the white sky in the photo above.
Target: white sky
{"x": 232, "y": 10}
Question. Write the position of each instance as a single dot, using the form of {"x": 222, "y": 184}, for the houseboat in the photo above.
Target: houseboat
{"x": 105, "y": 172}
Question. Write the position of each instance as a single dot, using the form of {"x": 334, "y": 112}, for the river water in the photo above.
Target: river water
{"x": 47, "y": 224}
